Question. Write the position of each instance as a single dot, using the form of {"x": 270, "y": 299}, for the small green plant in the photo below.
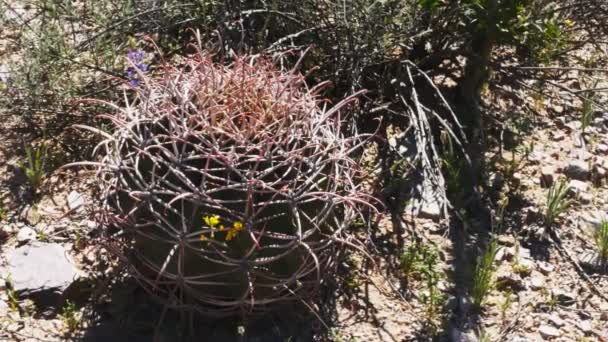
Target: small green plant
{"x": 484, "y": 270}
{"x": 587, "y": 110}
{"x": 556, "y": 201}
{"x": 41, "y": 235}
{"x": 433, "y": 300}
{"x": 70, "y": 317}
{"x": 419, "y": 261}
{"x": 551, "y": 300}
{"x": 13, "y": 301}
{"x": 600, "y": 237}
{"x": 519, "y": 157}
{"x": 35, "y": 165}
{"x": 504, "y": 306}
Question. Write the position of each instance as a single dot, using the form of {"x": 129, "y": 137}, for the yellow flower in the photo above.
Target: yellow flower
{"x": 237, "y": 225}
{"x": 568, "y": 23}
{"x": 230, "y": 235}
{"x": 222, "y": 227}
{"x": 211, "y": 221}
{"x": 203, "y": 237}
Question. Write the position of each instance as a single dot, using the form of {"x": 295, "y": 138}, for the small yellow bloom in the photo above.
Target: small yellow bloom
{"x": 222, "y": 227}
{"x": 237, "y": 225}
{"x": 230, "y": 235}
{"x": 568, "y": 22}
{"x": 203, "y": 237}
{"x": 211, "y": 221}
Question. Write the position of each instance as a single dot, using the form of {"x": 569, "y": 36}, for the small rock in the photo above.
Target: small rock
{"x": 506, "y": 240}
{"x": 14, "y": 327}
{"x": 505, "y": 278}
{"x": 601, "y": 148}
{"x": 557, "y": 135}
{"x": 556, "y": 321}
{"x": 577, "y": 187}
{"x": 26, "y": 234}
{"x": 593, "y": 218}
{"x": 537, "y": 281}
{"x": 574, "y": 125}
{"x": 545, "y": 267}
{"x": 430, "y": 210}
{"x": 600, "y": 173}
{"x": 75, "y": 200}
{"x": 526, "y": 264}
{"x": 585, "y": 197}
{"x": 535, "y": 157}
{"x": 585, "y": 326}
{"x": 547, "y": 331}
{"x": 563, "y": 297}
{"x": 41, "y": 268}
{"x": 558, "y": 108}
{"x": 577, "y": 169}
{"x": 547, "y": 175}
{"x": 519, "y": 339}
{"x": 9, "y": 229}
{"x": 91, "y": 225}
{"x": 505, "y": 254}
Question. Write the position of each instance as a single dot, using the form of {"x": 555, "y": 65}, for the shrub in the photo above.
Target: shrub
{"x": 233, "y": 186}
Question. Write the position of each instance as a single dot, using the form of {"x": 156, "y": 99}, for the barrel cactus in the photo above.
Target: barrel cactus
{"x": 228, "y": 187}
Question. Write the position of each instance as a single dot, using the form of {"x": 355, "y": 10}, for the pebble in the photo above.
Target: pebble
{"x": 586, "y": 197}
{"x": 547, "y": 331}
{"x": 506, "y": 278}
{"x": 577, "y": 169}
{"x": 547, "y": 175}
{"x": 537, "y": 281}
{"x": 577, "y": 187}
{"x": 558, "y": 135}
{"x": 506, "y": 240}
{"x": 556, "y": 321}
{"x": 75, "y": 200}
{"x": 545, "y": 267}
{"x": 26, "y": 234}
{"x": 563, "y": 296}
{"x": 585, "y": 326}
{"x": 601, "y": 148}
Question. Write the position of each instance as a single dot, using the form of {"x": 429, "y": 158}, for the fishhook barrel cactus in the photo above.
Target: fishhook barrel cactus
{"x": 231, "y": 186}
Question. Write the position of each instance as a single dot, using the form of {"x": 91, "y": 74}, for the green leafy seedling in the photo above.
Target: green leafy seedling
{"x": 600, "y": 237}
{"x": 35, "y": 165}
{"x": 556, "y": 201}
{"x": 484, "y": 270}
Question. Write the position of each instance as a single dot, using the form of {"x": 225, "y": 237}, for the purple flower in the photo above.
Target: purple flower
{"x": 136, "y": 57}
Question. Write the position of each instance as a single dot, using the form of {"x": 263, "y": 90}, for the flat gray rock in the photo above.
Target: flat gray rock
{"x": 41, "y": 267}
{"x": 577, "y": 169}
{"x": 75, "y": 200}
